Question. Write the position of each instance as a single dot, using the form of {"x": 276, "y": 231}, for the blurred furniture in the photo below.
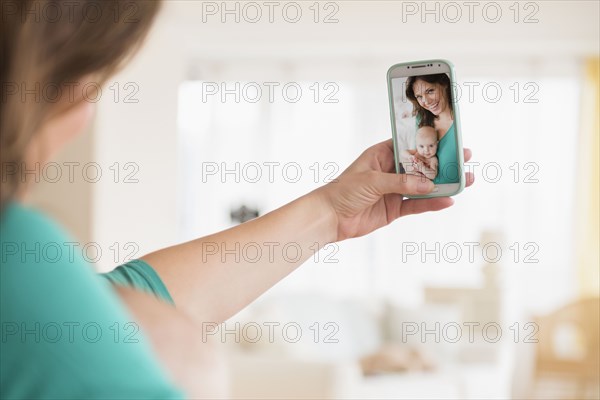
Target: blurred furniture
{"x": 472, "y": 305}
{"x": 268, "y": 376}
{"x": 477, "y": 305}
{"x": 311, "y": 369}
{"x": 568, "y": 352}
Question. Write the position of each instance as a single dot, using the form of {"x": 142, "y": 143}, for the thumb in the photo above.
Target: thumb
{"x": 403, "y": 184}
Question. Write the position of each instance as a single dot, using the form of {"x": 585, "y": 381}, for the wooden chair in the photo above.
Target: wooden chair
{"x": 582, "y": 320}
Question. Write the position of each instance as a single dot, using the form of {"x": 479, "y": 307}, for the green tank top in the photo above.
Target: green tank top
{"x": 448, "y": 171}
{"x": 64, "y": 332}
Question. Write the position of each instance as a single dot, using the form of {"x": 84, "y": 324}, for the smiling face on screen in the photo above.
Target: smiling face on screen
{"x": 430, "y": 96}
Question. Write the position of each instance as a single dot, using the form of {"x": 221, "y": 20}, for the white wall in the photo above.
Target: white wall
{"x": 143, "y": 133}
{"x": 368, "y": 32}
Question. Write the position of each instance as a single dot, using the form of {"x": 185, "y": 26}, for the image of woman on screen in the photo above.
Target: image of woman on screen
{"x": 431, "y": 97}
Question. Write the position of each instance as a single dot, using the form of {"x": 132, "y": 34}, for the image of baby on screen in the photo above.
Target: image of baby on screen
{"x": 423, "y": 160}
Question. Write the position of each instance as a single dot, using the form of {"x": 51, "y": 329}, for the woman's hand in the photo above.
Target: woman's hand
{"x": 369, "y": 194}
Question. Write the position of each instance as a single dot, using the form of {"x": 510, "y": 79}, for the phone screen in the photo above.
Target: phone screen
{"x": 426, "y": 124}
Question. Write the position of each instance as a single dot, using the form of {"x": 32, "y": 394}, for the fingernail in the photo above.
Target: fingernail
{"x": 424, "y": 186}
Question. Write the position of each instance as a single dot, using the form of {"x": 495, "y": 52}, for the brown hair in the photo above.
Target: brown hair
{"x": 47, "y": 46}
{"x": 426, "y": 117}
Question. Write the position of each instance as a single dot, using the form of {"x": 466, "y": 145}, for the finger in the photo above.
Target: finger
{"x": 387, "y": 183}
{"x": 385, "y": 146}
{"x": 384, "y": 155}
{"x": 469, "y": 178}
{"x": 380, "y": 156}
{"x": 389, "y": 144}
{"x": 467, "y": 154}
{"x": 418, "y": 206}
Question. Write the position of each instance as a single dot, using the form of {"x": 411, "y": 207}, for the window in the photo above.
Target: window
{"x": 520, "y": 128}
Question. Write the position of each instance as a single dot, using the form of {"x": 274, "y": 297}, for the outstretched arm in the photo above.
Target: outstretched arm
{"x": 184, "y": 354}
{"x": 214, "y": 277}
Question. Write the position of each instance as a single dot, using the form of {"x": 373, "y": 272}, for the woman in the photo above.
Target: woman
{"x": 431, "y": 96}
{"x": 67, "y": 333}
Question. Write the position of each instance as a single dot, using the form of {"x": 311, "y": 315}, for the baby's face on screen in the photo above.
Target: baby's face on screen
{"x": 426, "y": 142}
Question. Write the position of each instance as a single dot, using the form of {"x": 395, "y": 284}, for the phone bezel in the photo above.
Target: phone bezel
{"x": 427, "y": 67}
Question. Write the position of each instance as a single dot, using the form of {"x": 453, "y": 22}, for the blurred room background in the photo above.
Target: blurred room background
{"x": 379, "y": 316}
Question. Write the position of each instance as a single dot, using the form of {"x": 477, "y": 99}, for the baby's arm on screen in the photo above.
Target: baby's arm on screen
{"x": 430, "y": 171}
{"x": 406, "y": 159}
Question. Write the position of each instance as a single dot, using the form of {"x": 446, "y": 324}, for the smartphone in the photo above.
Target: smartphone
{"x": 426, "y": 124}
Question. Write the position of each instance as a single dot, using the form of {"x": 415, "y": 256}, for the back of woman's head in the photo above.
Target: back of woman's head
{"x": 47, "y": 47}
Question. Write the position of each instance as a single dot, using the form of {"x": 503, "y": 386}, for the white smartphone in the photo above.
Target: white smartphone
{"x": 426, "y": 124}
